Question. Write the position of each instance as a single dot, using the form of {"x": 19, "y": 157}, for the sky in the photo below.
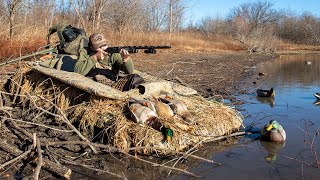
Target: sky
{"x": 220, "y": 8}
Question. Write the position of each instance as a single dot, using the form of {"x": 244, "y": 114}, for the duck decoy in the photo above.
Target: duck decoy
{"x": 178, "y": 108}
{"x": 266, "y": 93}
{"x": 317, "y": 95}
{"x": 307, "y": 62}
{"x": 144, "y": 102}
{"x": 262, "y": 74}
{"x": 273, "y": 132}
{"x": 143, "y": 115}
{"x": 167, "y": 133}
{"x": 163, "y": 110}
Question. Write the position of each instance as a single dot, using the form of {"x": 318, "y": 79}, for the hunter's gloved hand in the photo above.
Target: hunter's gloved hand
{"x": 125, "y": 55}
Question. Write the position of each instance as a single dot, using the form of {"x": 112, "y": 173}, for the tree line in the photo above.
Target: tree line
{"x": 258, "y": 26}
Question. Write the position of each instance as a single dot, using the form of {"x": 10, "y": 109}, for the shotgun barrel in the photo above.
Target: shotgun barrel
{"x": 134, "y": 49}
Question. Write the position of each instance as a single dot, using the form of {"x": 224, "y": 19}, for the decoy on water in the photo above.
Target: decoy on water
{"x": 317, "y": 95}
{"x": 266, "y": 93}
{"x": 307, "y": 62}
{"x": 273, "y": 132}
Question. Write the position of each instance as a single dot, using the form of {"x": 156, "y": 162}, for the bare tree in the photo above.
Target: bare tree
{"x": 251, "y": 21}
{"x": 122, "y": 14}
{"x": 12, "y": 7}
{"x": 176, "y": 14}
{"x": 156, "y": 13}
{"x": 213, "y": 26}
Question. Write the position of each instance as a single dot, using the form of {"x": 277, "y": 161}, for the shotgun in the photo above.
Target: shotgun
{"x": 134, "y": 49}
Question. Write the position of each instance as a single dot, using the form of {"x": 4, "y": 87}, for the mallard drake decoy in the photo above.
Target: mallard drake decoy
{"x": 167, "y": 133}
{"x": 266, "y": 93}
{"x": 317, "y": 95}
{"x": 273, "y": 132}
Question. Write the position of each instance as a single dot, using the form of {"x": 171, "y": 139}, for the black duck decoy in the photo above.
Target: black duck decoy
{"x": 266, "y": 93}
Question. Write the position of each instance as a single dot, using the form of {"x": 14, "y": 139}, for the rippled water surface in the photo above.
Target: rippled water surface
{"x": 295, "y": 108}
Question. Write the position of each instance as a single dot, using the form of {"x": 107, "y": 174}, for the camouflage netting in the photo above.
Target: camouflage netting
{"x": 108, "y": 121}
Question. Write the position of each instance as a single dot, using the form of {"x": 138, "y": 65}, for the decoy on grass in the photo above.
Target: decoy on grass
{"x": 317, "y": 95}
{"x": 273, "y": 132}
{"x": 266, "y": 93}
{"x": 178, "y": 108}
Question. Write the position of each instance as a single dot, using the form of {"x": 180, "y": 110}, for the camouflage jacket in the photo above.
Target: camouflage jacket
{"x": 86, "y": 62}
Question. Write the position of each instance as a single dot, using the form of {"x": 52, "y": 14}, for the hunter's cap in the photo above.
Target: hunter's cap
{"x": 97, "y": 41}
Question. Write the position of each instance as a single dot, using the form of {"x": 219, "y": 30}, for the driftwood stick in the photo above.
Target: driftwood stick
{"x": 40, "y": 161}
{"x": 41, "y": 125}
{"x": 18, "y": 89}
{"x": 104, "y": 146}
{"x": 47, "y": 164}
{"x": 1, "y": 100}
{"x": 15, "y": 125}
{"x": 223, "y": 137}
{"x": 7, "y": 73}
{"x": 21, "y": 156}
{"x": 6, "y": 108}
{"x": 94, "y": 169}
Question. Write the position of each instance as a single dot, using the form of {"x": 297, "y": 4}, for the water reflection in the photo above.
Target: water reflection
{"x": 293, "y": 69}
{"x": 266, "y": 100}
{"x": 317, "y": 102}
{"x": 273, "y": 149}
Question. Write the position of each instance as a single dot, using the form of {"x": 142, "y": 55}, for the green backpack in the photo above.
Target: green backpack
{"x": 71, "y": 38}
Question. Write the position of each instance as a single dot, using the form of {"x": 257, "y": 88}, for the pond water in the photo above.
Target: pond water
{"x": 294, "y": 107}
